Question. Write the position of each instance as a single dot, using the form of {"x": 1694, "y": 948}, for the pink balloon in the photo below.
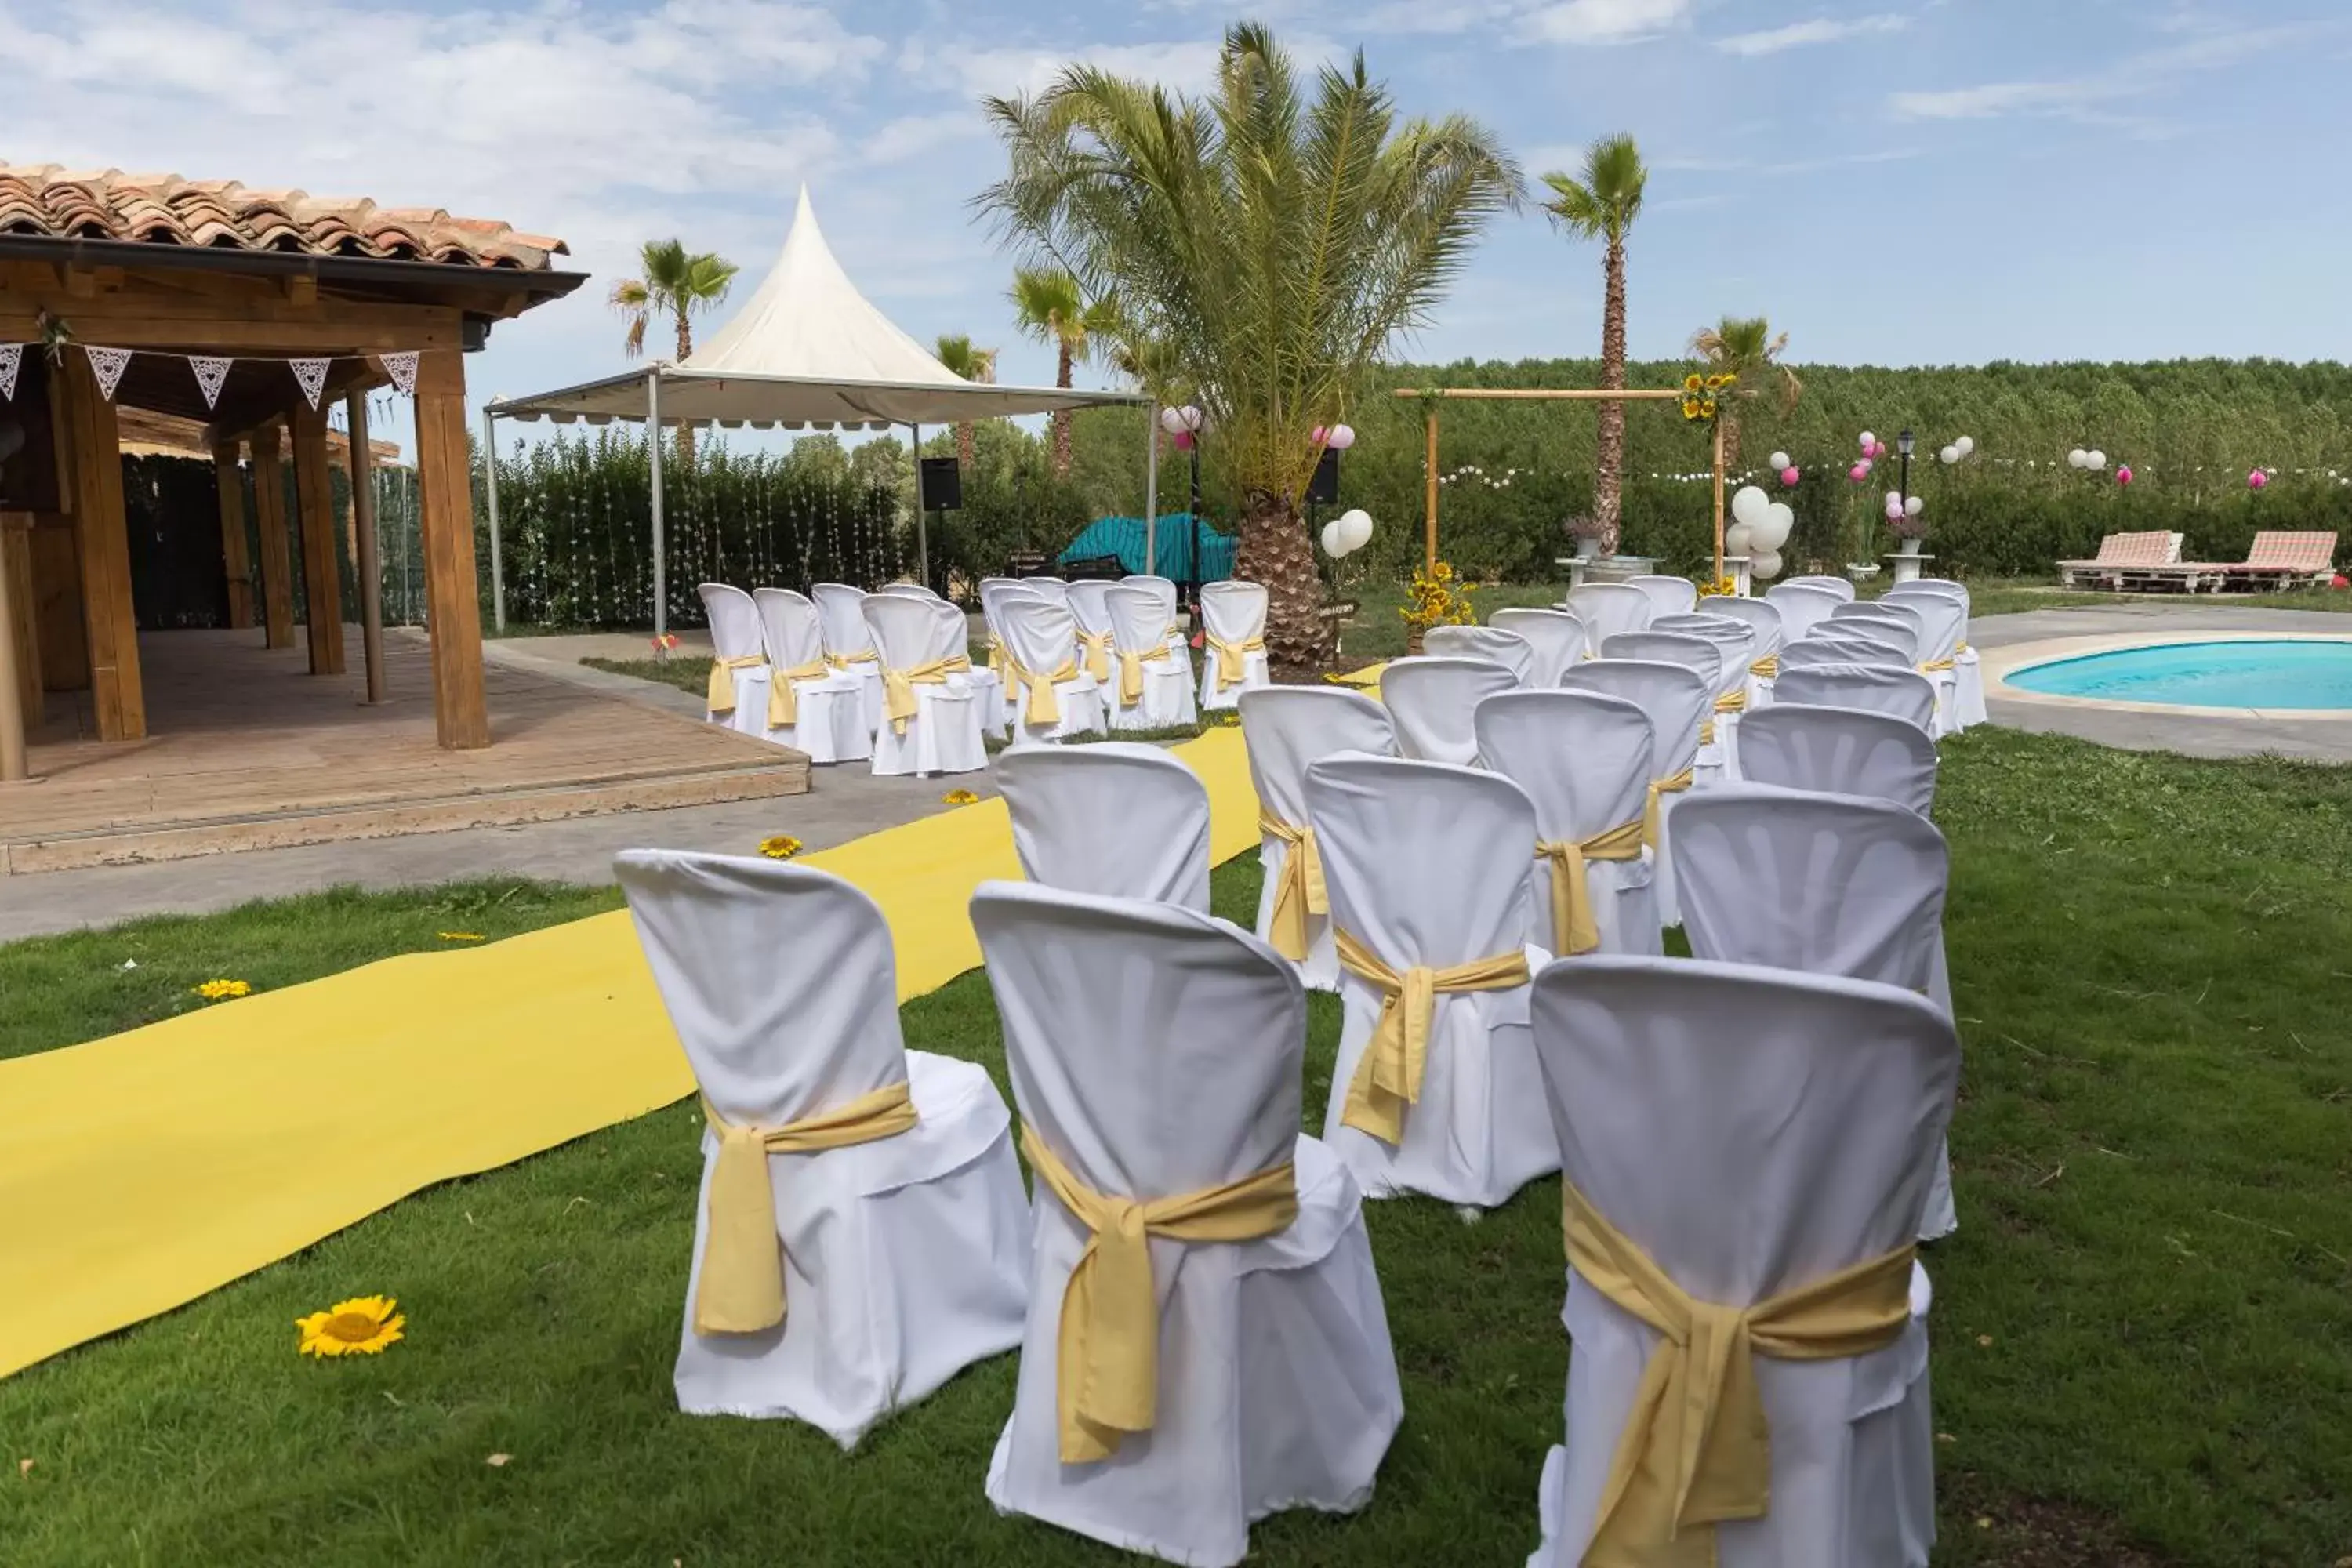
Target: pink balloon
{"x": 1320, "y": 436}
{"x": 1789, "y": 475}
{"x": 1183, "y": 440}
{"x": 2257, "y": 479}
{"x": 2123, "y": 474}
{"x": 1879, "y": 450}
{"x": 1858, "y": 473}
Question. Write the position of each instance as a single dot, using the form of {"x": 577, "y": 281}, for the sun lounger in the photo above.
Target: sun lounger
{"x": 2120, "y": 555}
{"x": 2279, "y": 559}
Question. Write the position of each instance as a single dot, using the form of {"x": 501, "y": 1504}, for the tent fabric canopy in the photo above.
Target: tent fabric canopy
{"x": 807, "y": 349}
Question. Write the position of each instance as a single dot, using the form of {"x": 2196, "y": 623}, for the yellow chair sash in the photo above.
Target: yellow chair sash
{"x": 783, "y": 703}
{"x": 1765, "y": 668}
{"x": 1961, "y": 649}
{"x": 1107, "y": 1371}
{"x": 1300, "y": 892}
{"x": 898, "y": 703}
{"x": 722, "y": 679}
{"x": 1732, "y": 702}
{"x": 1232, "y": 658}
{"x": 1697, "y": 1448}
{"x": 1096, "y": 647}
{"x": 1387, "y": 1075}
{"x": 1574, "y": 928}
{"x": 1043, "y": 708}
{"x": 1131, "y": 672}
{"x": 1930, "y": 666}
{"x": 849, "y": 660}
{"x": 1650, "y": 814}
{"x": 741, "y": 1290}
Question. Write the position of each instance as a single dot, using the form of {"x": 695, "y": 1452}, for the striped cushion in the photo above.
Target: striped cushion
{"x": 2152, "y": 549}
{"x": 2293, "y": 551}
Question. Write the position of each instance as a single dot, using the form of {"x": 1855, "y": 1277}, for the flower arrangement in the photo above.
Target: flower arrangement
{"x": 222, "y": 989}
{"x": 959, "y": 797}
{"x": 1701, "y": 395}
{"x": 780, "y": 846}
{"x": 364, "y": 1325}
{"x": 1722, "y": 588}
{"x": 1435, "y": 601}
{"x": 665, "y": 645}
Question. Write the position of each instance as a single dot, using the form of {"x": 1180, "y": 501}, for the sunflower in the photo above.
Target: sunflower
{"x": 780, "y": 846}
{"x": 459, "y": 936}
{"x": 1690, "y": 407}
{"x": 222, "y": 989}
{"x": 1693, "y": 381}
{"x": 1225, "y": 718}
{"x": 1716, "y": 380}
{"x": 361, "y": 1326}
{"x": 1706, "y": 409}
{"x": 1442, "y": 572}
{"x": 959, "y": 797}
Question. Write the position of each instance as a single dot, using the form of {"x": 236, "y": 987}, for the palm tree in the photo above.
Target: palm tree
{"x": 1602, "y": 205}
{"x": 681, "y": 284}
{"x": 1267, "y": 240}
{"x": 1048, "y": 306}
{"x": 973, "y": 364}
{"x": 1744, "y": 346}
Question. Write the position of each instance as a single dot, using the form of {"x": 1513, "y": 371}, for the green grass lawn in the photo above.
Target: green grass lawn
{"x": 2143, "y": 1330}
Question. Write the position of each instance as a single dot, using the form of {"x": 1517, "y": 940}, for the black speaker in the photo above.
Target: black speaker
{"x": 942, "y": 485}
{"x": 1323, "y": 490}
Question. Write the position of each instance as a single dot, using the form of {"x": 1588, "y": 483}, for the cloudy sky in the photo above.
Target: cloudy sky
{"x": 1904, "y": 181}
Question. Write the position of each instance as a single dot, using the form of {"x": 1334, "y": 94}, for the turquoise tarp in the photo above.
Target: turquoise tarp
{"x": 1123, "y": 537}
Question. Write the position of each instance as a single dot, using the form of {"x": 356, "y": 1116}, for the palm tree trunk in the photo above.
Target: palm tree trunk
{"x": 1275, "y": 553}
{"x": 685, "y": 351}
{"x": 963, "y": 446}
{"x": 1062, "y": 419}
{"x": 1608, "y": 446}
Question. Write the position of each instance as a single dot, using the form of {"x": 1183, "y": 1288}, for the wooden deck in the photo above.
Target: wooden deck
{"x": 248, "y": 751}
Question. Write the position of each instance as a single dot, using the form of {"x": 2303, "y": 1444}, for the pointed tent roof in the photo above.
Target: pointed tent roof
{"x": 806, "y": 348}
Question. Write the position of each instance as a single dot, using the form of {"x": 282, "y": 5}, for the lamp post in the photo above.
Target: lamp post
{"x": 1903, "y": 444}
{"x": 1185, "y": 423}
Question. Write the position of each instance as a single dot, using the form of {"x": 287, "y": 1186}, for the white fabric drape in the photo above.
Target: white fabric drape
{"x": 1558, "y": 639}
{"x": 1114, "y": 818}
{"x": 1583, "y": 760}
{"x": 1286, "y": 728}
{"x": 1667, "y": 596}
{"x": 1840, "y": 750}
{"x": 1677, "y": 699}
{"x": 1607, "y": 609}
{"x": 841, "y": 612}
{"x": 944, "y": 735}
{"x": 1802, "y": 607}
{"x": 1430, "y": 701}
{"x": 1140, "y": 622}
{"x": 735, "y": 634}
{"x": 1496, "y": 644}
{"x": 1042, "y": 637}
{"x": 1233, "y": 612}
{"x": 1880, "y": 689}
{"x": 830, "y": 725}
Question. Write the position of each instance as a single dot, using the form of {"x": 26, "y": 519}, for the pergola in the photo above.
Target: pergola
{"x": 184, "y": 275}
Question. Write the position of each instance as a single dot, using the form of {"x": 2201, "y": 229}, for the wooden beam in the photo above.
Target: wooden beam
{"x": 1429, "y": 543}
{"x": 1540, "y": 393}
{"x": 322, "y": 581}
{"x": 365, "y": 560}
{"x": 269, "y": 523}
{"x": 111, "y": 625}
{"x": 301, "y": 289}
{"x": 236, "y": 560}
{"x": 445, "y": 484}
{"x": 57, "y": 604}
{"x": 199, "y": 325}
{"x": 236, "y": 419}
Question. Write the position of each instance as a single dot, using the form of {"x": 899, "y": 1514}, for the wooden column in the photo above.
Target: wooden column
{"x": 452, "y": 597}
{"x": 365, "y": 559}
{"x": 14, "y": 598}
{"x": 322, "y": 582}
{"x": 1429, "y": 545}
{"x": 1718, "y": 501}
{"x": 237, "y": 561}
{"x": 57, "y": 604}
{"x": 109, "y": 623}
{"x": 17, "y": 566}
{"x": 269, "y": 521}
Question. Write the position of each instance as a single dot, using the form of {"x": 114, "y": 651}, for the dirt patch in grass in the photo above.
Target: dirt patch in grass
{"x": 2006, "y": 1531}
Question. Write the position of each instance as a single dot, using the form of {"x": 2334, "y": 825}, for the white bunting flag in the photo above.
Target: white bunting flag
{"x": 108, "y": 366}
{"x": 210, "y": 373}
{"x": 312, "y": 375}
{"x": 11, "y": 358}
{"x": 402, "y": 368}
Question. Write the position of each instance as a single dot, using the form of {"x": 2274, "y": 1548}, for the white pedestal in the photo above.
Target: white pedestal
{"x": 1743, "y": 578}
{"x": 1908, "y": 567}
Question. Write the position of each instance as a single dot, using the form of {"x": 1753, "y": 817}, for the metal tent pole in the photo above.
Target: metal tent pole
{"x": 923, "y": 534}
{"x": 1151, "y": 492}
{"x": 654, "y": 454}
{"x": 490, "y": 489}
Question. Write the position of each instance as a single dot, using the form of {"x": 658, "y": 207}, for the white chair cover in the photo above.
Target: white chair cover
{"x": 1087, "y": 604}
{"x": 1889, "y": 623}
{"x": 1232, "y": 612}
{"x": 1139, "y": 623}
{"x": 1158, "y": 1052}
{"x": 1161, "y": 589}
{"x": 910, "y": 590}
{"x": 735, "y": 633}
{"x": 1751, "y": 1131}
{"x": 1856, "y": 643}
{"x": 1052, "y": 589}
{"x": 1043, "y": 636}
{"x": 1584, "y": 761}
{"x": 1803, "y": 605}
{"x": 840, "y": 611}
{"x": 944, "y": 735}
{"x": 831, "y": 726}
{"x": 1943, "y": 625}
{"x": 1427, "y": 863}
{"x": 1841, "y": 587}
{"x": 1881, "y": 688}
{"x": 1117, "y": 819}
{"x": 1607, "y": 609}
{"x": 1830, "y": 884}
{"x": 1840, "y": 750}
{"x": 996, "y": 716}
{"x": 1968, "y": 689}
{"x": 1735, "y": 644}
{"x": 1762, "y": 619}
{"x": 1667, "y": 596}
{"x": 1431, "y": 699}
{"x": 1676, "y": 698}
{"x": 904, "y": 1257}
{"x": 1702, "y": 658}
{"x": 1496, "y": 644}
{"x": 1557, "y": 636}
{"x": 1286, "y": 728}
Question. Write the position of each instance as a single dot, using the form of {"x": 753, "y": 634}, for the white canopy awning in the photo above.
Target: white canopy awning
{"x": 806, "y": 350}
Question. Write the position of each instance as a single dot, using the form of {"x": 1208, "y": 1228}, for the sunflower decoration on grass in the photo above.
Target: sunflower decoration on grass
{"x": 1435, "y": 601}
{"x": 222, "y": 990}
{"x": 1722, "y": 587}
{"x": 1702, "y": 395}
{"x": 959, "y": 797}
{"x": 364, "y": 1325}
{"x": 1225, "y": 718}
{"x": 460, "y": 935}
{"x": 780, "y": 846}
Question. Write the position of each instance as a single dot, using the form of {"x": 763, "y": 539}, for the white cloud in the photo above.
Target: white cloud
{"x": 1820, "y": 30}
{"x": 2081, "y": 96}
{"x": 1606, "y": 21}
{"x": 916, "y": 135}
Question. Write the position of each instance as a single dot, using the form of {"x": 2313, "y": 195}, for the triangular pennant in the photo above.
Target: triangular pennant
{"x": 108, "y": 366}
{"x": 402, "y": 368}
{"x": 210, "y": 373}
{"x": 312, "y": 375}
{"x": 11, "y": 357}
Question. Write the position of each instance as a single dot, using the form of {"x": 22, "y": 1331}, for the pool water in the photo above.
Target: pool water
{"x": 2252, "y": 674}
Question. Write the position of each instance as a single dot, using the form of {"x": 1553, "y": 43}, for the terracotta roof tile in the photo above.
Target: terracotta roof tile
{"x": 164, "y": 209}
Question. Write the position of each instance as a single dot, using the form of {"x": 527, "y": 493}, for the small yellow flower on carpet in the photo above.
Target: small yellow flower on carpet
{"x": 460, "y": 935}
{"x": 361, "y": 1326}
{"x": 959, "y": 797}
{"x": 222, "y": 989}
{"x": 782, "y": 846}
{"x": 1225, "y": 718}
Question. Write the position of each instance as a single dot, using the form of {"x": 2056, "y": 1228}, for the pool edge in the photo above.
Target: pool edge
{"x": 1999, "y": 664}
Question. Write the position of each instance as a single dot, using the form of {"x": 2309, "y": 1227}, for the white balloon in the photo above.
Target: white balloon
{"x": 1339, "y": 437}
{"x": 1780, "y": 461}
{"x": 1894, "y": 506}
{"x": 1355, "y": 527}
{"x": 1764, "y": 565}
{"x": 1913, "y": 506}
{"x": 1966, "y": 444}
{"x": 2095, "y": 461}
{"x": 1748, "y": 501}
{"x": 1333, "y": 545}
{"x": 1737, "y": 540}
{"x": 1868, "y": 441}
{"x": 2078, "y": 458}
{"x": 1951, "y": 454}
{"x": 1773, "y": 531}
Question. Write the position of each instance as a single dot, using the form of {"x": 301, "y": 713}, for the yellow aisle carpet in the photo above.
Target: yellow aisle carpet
{"x": 141, "y": 1171}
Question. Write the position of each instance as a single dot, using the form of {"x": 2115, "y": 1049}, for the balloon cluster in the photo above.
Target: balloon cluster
{"x": 1786, "y": 469}
{"x": 1760, "y": 527}
{"x": 1338, "y": 437}
{"x": 1347, "y": 532}
{"x": 1961, "y": 448}
{"x": 2090, "y": 462}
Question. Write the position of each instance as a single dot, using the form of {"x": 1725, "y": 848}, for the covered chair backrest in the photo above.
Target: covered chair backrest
{"x": 1802, "y": 607}
{"x": 1918, "y": 585}
{"x": 735, "y": 631}
{"x": 840, "y": 611}
{"x": 909, "y": 590}
{"x": 779, "y": 980}
{"x": 1943, "y": 623}
{"x": 1859, "y": 644}
{"x": 1878, "y": 688}
{"x": 1116, "y": 819}
{"x": 1234, "y": 612}
{"x": 1733, "y": 641}
{"x": 1286, "y": 728}
{"x": 1667, "y": 596}
{"x": 789, "y": 622}
{"x": 1557, "y": 637}
{"x": 1494, "y": 644}
{"x": 1609, "y": 609}
{"x": 1673, "y": 696}
{"x": 1583, "y": 757}
{"x": 1839, "y": 751}
{"x": 1829, "y": 884}
{"x": 1159, "y": 588}
{"x": 905, "y": 630}
{"x": 1089, "y": 603}
{"x": 1430, "y": 701}
{"x": 1155, "y": 1050}
{"x": 1041, "y": 635}
{"x": 950, "y": 630}
{"x": 1761, "y": 617}
{"x": 1052, "y": 589}
{"x": 1841, "y": 587}
{"x": 1138, "y": 621}
{"x": 1693, "y": 653}
{"x": 1898, "y": 630}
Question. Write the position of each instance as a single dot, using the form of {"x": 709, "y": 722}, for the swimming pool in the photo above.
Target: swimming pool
{"x": 2252, "y": 673}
